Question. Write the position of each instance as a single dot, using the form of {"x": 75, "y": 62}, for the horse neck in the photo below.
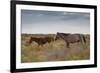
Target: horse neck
{"x": 61, "y": 36}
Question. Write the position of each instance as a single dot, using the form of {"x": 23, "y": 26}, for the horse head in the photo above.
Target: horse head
{"x": 61, "y": 35}
{"x": 57, "y": 36}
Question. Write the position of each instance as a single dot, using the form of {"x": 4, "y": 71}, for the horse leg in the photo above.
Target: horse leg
{"x": 67, "y": 45}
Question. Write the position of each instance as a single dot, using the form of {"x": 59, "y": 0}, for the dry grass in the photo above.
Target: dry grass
{"x": 53, "y": 51}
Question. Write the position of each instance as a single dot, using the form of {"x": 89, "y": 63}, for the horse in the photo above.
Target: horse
{"x": 70, "y": 38}
{"x": 40, "y": 40}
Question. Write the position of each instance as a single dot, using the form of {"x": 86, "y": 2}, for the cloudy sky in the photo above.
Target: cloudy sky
{"x": 35, "y": 21}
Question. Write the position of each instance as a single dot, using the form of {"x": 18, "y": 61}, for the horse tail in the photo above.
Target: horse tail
{"x": 83, "y": 41}
{"x": 30, "y": 40}
{"x": 83, "y": 37}
{"x": 55, "y": 37}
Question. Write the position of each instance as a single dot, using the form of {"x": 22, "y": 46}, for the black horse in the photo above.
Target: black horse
{"x": 70, "y": 38}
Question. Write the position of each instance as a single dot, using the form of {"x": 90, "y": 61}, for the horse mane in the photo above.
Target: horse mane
{"x": 63, "y": 33}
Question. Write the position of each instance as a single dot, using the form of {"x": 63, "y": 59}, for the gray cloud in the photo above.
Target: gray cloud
{"x": 34, "y": 21}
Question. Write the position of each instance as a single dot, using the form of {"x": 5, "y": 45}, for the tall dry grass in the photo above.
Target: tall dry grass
{"x": 53, "y": 51}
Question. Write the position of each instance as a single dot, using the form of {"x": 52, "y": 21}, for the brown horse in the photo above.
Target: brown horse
{"x": 40, "y": 40}
{"x": 70, "y": 38}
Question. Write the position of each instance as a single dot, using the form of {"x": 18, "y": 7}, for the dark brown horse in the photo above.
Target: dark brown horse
{"x": 70, "y": 38}
{"x": 40, "y": 40}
